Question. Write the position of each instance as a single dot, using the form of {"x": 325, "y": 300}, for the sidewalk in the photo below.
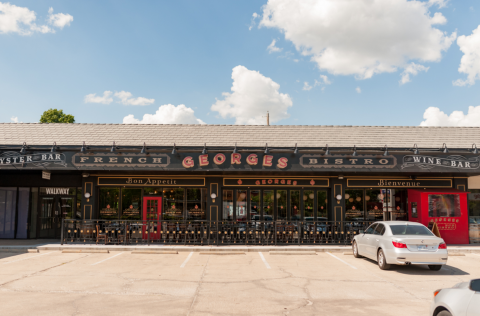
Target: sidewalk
{"x": 47, "y": 244}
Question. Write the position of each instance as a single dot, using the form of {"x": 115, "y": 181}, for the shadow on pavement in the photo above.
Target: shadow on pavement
{"x": 422, "y": 269}
{"x": 5, "y": 254}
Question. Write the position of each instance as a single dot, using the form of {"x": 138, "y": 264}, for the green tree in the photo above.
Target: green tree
{"x": 56, "y": 116}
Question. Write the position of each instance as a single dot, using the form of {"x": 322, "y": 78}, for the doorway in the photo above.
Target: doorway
{"x": 52, "y": 210}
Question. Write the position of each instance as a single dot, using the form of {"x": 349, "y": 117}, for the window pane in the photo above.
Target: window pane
{"x": 241, "y": 205}
{"x": 78, "y": 212}
{"x": 152, "y": 191}
{"x": 443, "y": 205}
{"x": 375, "y": 199}
{"x": 268, "y": 205}
{"x": 196, "y": 204}
{"x": 295, "y": 205}
{"x": 308, "y": 199}
{"x": 322, "y": 205}
{"x": 281, "y": 204}
{"x": 474, "y": 214}
{"x": 414, "y": 210}
{"x": 132, "y": 204}
{"x": 354, "y": 205}
{"x": 109, "y": 203}
{"x": 399, "y": 204}
{"x": 33, "y": 213}
{"x": 410, "y": 230}
{"x": 173, "y": 203}
{"x": 254, "y": 205}
{"x": 227, "y": 213}
{"x": 8, "y": 202}
{"x": 23, "y": 205}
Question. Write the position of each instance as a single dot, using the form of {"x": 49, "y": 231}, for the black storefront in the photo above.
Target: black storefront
{"x": 216, "y": 195}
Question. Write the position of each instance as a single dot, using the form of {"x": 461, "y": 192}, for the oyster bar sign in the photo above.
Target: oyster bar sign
{"x": 10, "y": 158}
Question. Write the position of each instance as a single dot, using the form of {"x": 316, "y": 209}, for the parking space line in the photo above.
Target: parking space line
{"x": 348, "y": 264}
{"x": 118, "y": 254}
{"x": 28, "y": 258}
{"x": 186, "y": 260}
{"x": 264, "y": 261}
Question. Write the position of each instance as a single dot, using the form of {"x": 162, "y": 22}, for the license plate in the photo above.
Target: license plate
{"x": 422, "y": 247}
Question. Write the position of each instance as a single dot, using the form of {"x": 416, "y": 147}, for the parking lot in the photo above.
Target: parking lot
{"x": 254, "y": 283}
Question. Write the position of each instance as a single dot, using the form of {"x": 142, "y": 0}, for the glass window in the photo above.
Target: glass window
{"x": 354, "y": 205}
{"x": 196, "y": 204}
{"x": 152, "y": 211}
{"x": 375, "y": 200}
{"x": 399, "y": 205}
{"x": 254, "y": 204}
{"x": 173, "y": 203}
{"x": 66, "y": 206}
{"x": 410, "y": 230}
{"x": 109, "y": 202}
{"x": 33, "y": 213}
{"x": 227, "y": 213}
{"x": 23, "y": 205}
{"x": 474, "y": 206}
{"x": 8, "y": 203}
{"x": 268, "y": 205}
{"x": 241, "y": 199}
{"x": 308, "y": 200}
{"x": 132, "y": 204}
{"x": 78, "y": 211}
{"x": 281, "y": 204}
{"x": 414, "y": 210}
{"x": 379, "y": 230}
{"x": 371, "y": 229}
{"x": 443, "y": 205}
{"x": 322, "y": 205}
{"x": 295, "y": 205}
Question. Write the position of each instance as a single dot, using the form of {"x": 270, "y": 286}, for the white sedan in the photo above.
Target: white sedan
{"x": 400, "y": 243}
{"x": 463, "y": 299}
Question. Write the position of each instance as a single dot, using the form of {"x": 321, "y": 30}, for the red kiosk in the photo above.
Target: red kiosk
{"x": 447, "y": 208}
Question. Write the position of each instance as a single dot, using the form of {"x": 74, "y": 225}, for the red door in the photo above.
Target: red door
{"x": 152, "y": 214}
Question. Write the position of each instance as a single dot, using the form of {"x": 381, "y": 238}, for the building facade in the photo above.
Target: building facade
{"x": 50, "y": 173}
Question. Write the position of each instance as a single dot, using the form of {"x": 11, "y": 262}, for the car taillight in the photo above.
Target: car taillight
{"x": 399, "y": 244}
{"x": 442, "y": 246}
{"x": 436, "y": 293}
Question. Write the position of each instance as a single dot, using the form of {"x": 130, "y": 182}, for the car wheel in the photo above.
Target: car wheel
{"x": 435, "y": 267}
{"x": 444, "y": 313}
{"x": 355, "y": 250}
{"x": 382, "y": 262}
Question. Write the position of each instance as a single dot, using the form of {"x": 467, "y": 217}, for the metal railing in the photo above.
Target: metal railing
{"x": 123, "y": 232}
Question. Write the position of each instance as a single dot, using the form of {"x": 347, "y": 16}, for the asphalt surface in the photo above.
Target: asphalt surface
{"x": 194, "y": 283}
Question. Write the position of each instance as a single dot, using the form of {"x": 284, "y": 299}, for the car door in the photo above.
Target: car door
{"x": 364, "y": 239}
{"x": 374, "y": 240}
{"x": 474, "y": 305}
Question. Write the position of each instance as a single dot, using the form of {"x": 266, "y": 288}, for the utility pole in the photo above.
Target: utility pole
{"x": 268, "y": 119}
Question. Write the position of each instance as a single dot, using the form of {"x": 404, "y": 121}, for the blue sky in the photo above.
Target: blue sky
{"x": 185, "y": 52}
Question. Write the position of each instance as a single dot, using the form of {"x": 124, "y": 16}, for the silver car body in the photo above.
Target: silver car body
{"x": 459, "y": 300}
{"x": 420, "y": 249}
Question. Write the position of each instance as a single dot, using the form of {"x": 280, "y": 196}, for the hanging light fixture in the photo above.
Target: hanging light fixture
{"x": 204, "y": 151}
{"x": 235, "y": 150}
{"x": 114, "y": 148}
{"x": 415, "y": 149}
{"x": 174, "y": 151}
{"x": 266, "y": 149}
{"x": 23, "y": 150}
{"x": 83, "y": 149}
{"x": 354, "y": 151}
{"x": 386, "y": 151}
{"x": 445, "y": 149}
{"x": 296, "y": 149}
{"x": 327, "y": 152}
{"x": 144, "y": 149}
{"x": 54, "y": 147}
{"x": 474, "y": 150}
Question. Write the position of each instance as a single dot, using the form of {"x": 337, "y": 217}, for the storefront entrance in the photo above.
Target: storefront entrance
{"x": 52, "y": 210}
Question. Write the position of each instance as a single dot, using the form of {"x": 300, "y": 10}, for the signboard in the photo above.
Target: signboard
{"x": 347, "y": 161}
{"x": 13, "y": 158}
{"x": 46, "y": 175}
{"x": 400, "y": 183}
{"x": 276, "y": 182}
{"x": 429, "y": 162}
{"x": 151, "y": 181}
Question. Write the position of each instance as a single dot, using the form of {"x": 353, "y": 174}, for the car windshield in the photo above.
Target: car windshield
{"x": 410, "y": 230}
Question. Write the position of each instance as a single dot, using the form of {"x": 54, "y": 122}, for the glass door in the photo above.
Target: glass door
{"x": 52, "y": 210}
{"x": 152, "y": 214}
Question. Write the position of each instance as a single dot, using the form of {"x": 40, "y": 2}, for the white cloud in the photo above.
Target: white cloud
{"x": 358, "y": 90}
{"x": 21, "y": 20}
{"x": 166, "y": 114}
{"x": 93, "y": 98}
{"x": 253, "y": 21}
{"x": 434, "y": 117}
{"x": 60, "y": 19}
{"x": 126, "y": 99}
{"x": 360, "y": 37}
{"x": 439, "y": 3}
{"x": 272, "y": 48}
{"x": 470, "y": 62}
{"x": 306, "y": 86}
{"x": 14, "y": 119}
{"x": 252, "y": 96}
{"x": 324, "y": 80}
{"x": 412, "y": 69}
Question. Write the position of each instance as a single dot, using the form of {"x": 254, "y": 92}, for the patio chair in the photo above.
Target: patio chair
{"x": 103, "y": 235}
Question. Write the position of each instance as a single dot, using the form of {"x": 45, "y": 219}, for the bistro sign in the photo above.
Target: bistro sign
{"x": 340, "y": 161}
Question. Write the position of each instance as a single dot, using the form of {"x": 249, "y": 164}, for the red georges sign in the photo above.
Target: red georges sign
{"x": 235, "y": 159}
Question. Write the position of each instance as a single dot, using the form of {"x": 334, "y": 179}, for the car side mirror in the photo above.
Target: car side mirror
{"x": 475, "y": 285}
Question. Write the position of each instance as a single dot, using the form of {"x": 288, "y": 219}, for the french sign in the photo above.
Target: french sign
{"x": 121, "y": 160}
{"x": 343, "y": 161}
{"x": 429, "y": 162}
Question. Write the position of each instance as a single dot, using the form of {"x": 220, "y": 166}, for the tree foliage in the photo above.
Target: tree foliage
{"x": 56, "y": 116}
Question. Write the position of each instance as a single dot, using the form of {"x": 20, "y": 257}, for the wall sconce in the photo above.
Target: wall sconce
{"x": 87, "y": 196}
{"x": 339, "y": 198}
{"x": 213, "y": 196}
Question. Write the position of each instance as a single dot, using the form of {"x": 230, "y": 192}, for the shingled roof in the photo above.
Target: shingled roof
{"x": 243, "y": 135}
